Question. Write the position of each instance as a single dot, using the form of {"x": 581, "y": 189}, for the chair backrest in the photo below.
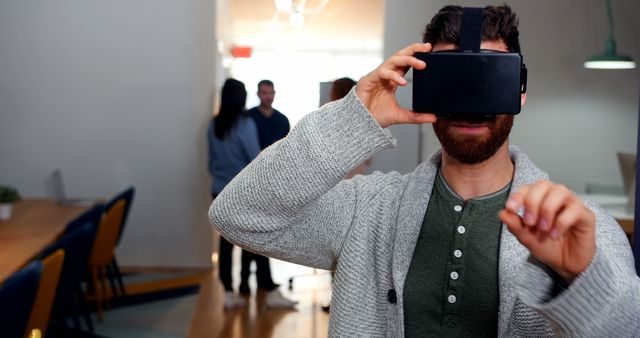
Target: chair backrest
{"x": 93, "y": 216}
{"x": 127, "y": 196}
{"x": 17, "y": 294}
{"x": 77, "y": 247}
{"x": 51, "y": 268}
{"x": 107, "y": 235}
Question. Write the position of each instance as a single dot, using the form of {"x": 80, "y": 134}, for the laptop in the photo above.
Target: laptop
{"x": 627, "y": 162}
{"x": 60, "y": 193}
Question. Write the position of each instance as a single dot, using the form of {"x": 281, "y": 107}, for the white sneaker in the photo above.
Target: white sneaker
{"x": 275, "y": 300}
{"x": 233, "y": 301}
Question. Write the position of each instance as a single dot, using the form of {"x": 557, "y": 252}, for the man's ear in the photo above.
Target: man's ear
{"x": 523, "y": 99}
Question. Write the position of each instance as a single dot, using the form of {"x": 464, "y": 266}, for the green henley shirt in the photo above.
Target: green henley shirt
{"x": 451, "y": 289}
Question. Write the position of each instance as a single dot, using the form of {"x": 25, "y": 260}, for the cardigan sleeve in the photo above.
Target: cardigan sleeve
{"x": 604, "y": 301}
{"x": 292, "y": 203}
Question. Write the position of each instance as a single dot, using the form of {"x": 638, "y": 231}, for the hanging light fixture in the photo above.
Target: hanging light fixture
{"x": 296, "y": 19}
{"x": 610, "y": 59}
{"x": 283, "y": 5}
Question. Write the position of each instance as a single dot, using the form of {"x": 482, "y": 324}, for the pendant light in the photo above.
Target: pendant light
{"x": 610, "y": 59}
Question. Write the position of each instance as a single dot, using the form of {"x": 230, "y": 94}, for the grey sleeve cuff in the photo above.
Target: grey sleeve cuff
{"x": 592, "y": 306}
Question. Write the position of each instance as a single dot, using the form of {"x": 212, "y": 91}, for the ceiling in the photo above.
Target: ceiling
{"x": 339, "y": 25}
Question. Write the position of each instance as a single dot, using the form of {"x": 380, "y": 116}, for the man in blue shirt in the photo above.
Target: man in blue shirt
{"x": 272, "y": 124}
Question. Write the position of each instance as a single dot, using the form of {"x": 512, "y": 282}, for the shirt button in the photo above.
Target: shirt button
{"x": 457, "y": 208}
{"x": 454, "y": 275}
{"x": 392, "y": 296}
{"x": 451, "y": 299}
{"x": 457, "y": 253}
{"x": 461, "y": 230}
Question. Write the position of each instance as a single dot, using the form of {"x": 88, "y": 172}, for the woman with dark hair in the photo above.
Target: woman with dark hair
{"x": 233, "y": 143}
{"x": 341, "y": 87}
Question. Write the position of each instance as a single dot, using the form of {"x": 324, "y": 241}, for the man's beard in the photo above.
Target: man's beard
{"x": 473, "y": 149}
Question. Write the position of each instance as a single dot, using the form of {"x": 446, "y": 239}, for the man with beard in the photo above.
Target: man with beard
{"x": 442, "y": 251}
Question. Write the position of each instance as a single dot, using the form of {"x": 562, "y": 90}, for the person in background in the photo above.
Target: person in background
{"x": 233, "y": 143}
{"x": 340, "y": 88}
{"x": 272, "y": 126}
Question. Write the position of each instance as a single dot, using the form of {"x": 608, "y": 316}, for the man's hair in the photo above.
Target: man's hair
{"x": 265, "y": 83}
{"x": 499, "y": 23}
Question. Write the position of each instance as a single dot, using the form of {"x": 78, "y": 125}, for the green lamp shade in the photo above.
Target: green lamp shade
{"x": 610, "y": 61}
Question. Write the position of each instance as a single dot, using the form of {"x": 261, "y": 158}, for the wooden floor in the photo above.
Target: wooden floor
{"x": 311, "y": 290}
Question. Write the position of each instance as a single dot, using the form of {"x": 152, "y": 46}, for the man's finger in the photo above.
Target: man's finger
{"x": 404, "y": 61}
{"x": 567, "y": 218}
{"x": 419, "y": 118}
{"x": 415, "y": 48}
{"x": 556, "y": 200}
{"x": 411, "y": 117}
{"x": 390, "y": 75}
{"x": 514, "y": 223}
{"x": 516, "y": 199}
{"x": 533, "y": 201}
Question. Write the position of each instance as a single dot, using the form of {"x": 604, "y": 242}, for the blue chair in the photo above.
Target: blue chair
{"x": 127, "y": 196}
{"x": 92, "y": 216}
{"x": 113, "y": 270}
{"x": 17, "y": 296}
{"x": 69, "y": 298}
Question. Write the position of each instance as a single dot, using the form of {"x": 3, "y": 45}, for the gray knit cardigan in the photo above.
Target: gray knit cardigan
{"x": 292, "y": 203}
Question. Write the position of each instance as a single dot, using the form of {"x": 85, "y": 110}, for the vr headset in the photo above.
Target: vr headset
{"x": 469, "y": 81}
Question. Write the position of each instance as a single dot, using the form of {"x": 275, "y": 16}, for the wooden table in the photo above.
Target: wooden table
{"x": 34, "y": 224}
{"x": 616, "y": 205}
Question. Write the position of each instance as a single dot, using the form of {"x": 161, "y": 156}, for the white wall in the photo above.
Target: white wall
{"x": 575, "y": 119}
{"x": 115, "y": 93}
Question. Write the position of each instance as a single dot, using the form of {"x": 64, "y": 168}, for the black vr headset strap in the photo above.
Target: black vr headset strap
{"x": 471, "y": 35}
{"x": 523, "y": 79}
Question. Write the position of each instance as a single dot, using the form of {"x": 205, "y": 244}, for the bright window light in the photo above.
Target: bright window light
{"x": 296, "y": 94}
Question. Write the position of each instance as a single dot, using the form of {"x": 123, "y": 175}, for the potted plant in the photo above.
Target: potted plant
{"x": 8, "y": 196}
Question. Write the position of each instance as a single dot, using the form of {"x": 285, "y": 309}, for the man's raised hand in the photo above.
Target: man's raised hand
{"x": 557, "y": 228}
{"x": 377, "y": 90}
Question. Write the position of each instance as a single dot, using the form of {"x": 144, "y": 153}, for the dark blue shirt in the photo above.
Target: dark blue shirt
{"x": 270, "y": 129}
